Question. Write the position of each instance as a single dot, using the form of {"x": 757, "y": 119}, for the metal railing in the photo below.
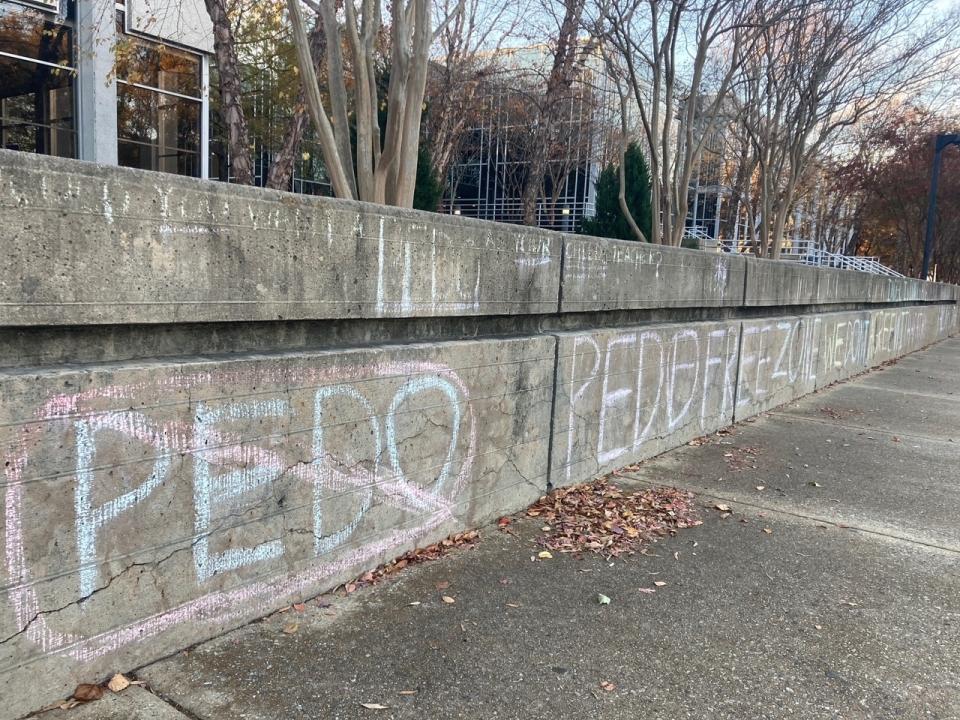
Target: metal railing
{"x": 806, "y": 252}
{"x": 566, "y": 215}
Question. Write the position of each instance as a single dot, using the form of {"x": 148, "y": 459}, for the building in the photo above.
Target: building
{"x": 122, "y": 83}
{"x": 487, "y": 179}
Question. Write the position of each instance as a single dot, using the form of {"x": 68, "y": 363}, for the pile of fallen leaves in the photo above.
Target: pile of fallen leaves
{"x": 460, "y": 541}
{"x": 600, "y": 517}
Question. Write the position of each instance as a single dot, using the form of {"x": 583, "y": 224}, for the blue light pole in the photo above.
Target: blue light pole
{"x": 942, "y": 142}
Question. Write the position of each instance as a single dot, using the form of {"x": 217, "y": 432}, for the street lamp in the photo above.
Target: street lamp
{"x": 942, "y": 142}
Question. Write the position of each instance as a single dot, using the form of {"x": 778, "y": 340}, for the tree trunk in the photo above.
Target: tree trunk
{"x": 281, "y": 169}
{"x": 231, "y": 92}
{"x": 559, "y": 83}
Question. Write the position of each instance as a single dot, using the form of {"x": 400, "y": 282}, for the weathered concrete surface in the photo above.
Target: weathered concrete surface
{"x": 625, "y": 394}
{"x": 600, "y": 274}
{"x": 134, "y": 703}
{"x": 148, "y": 507}
{"x": 777, "y": 362}
{"x": 848, "y": 608}
{"x": 784, "y": 283}
{"x": 160, "y": 494}
{"x": 86, "y": 244}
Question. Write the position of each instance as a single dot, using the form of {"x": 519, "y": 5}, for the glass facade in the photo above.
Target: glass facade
{"x": 159, "y": 104}
{"x": 57, "y": 65}
{"x": 37, "y": 81}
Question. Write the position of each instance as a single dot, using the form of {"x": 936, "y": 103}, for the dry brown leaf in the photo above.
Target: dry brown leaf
{"x": 88, "y": 693}
{"x": 118, "y": 683}
{"x": 291, "y": 628}
{"x": 722, "y": 507}
{"x": 448, "y": 600}
{"x": 768, "y": 531}
{"x": 299, "y": 607}
{"x": 607, "y": 685}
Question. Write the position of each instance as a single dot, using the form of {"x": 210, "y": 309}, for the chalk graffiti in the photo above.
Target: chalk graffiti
{"x": 641, "y": 386}
{"x": 232, "y": 475}
{"x": 402, "y": 250}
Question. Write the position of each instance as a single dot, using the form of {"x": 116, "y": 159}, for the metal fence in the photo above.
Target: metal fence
{"x": 806, "y": 252}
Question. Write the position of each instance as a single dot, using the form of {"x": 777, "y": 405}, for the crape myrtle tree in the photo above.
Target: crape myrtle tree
{"x": 379, "y": 168}
{"x": 821, "y": 67}
{"x": 676, "y": 62}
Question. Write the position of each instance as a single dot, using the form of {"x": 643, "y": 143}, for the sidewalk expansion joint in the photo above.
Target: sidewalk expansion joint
{"x": 813, "y": 519}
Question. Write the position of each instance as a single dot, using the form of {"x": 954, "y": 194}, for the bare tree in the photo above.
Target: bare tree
{"x": 385, "y": 169}
{"x": 231, "y": 92}
{"x": 466, "y": 60}
{"x": 679, "y": 60}
{"x": 566, "y": 55}
{"x": 821, "y": 68}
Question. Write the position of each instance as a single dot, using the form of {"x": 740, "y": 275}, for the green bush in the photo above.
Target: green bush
{"x": 609, "y": 221}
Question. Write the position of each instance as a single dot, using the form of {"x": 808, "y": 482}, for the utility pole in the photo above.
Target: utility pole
{"x": 942, "y": 142}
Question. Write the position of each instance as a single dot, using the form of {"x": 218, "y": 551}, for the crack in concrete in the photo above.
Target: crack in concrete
{"x": 80, "y": 601}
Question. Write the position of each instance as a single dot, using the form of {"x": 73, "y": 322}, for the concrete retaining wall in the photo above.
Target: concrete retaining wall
{"x": 152, "y": 500}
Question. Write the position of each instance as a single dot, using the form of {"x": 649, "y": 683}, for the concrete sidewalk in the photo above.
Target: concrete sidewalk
{"x": 848, "y": 608}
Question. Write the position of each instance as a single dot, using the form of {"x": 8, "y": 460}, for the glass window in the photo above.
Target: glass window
{"x": 34, "y": 34}
{"x": 36, "y": 83}
{"x": 158, "y": 131}
{"x": 158, "y": 106}
{"x": 145, "y": 63}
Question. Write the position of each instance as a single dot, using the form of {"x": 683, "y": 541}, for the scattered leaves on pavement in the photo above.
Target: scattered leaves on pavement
{"x": 460, "y": 541}
{"x": 598, "y": 516}
{"x": 87, "y": 693}
{"x": 118, "y": 683}
{"x": 741, "y": 458}
{"x": 840, "y": 414}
